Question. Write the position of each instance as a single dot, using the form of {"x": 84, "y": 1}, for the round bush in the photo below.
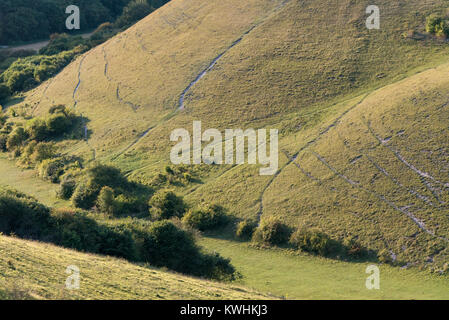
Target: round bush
{"x": 83, "y": 197}
{"x": 272, "y": 231}
{"x": 165, "y": 205}
{"x": 312, "y": 240}
{"x": 207, "y": 218}
{"x": 66, "y": 188}
{"x": 245, "y": 229}
{"x": 105, "y": 201}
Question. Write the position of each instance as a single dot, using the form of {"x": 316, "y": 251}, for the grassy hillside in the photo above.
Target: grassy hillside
{"x": 362, "y": 114}
{"x": 32, "y": 270}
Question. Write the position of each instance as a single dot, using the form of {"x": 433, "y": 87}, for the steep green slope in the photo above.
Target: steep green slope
{"x": 363, "y": 151}
{"x": 33, "y": 270}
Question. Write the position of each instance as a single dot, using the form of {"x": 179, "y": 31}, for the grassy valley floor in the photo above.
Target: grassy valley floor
{"x": 300, "y": 276}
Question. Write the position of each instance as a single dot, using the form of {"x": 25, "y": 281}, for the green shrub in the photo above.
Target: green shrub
{"x": 51, "y": 169}
{"x": 83, "y": 197}
{"x": 22, "y": 215}
{"x": 74, "y": 229}
{"x": 165, "y": 205}
{"x": 354, "y": 248}
{"x": 16, "y": 138}
{"x": 133, "y": 12}
{"x": 37, "y": 129}
{"x": 100, "y": 175}
{"x": 43, "y": 151}
{"x": 127, "y": 204}
{"x": 4, "y": 91}
{"x": 106, "y": 201}
{"x": 207, "y": 218}
{"x": 66, "y": 188}
{"x": 3, "y": 140}
{"x": 162, "y": 244}
{"x": 312, "y": 240}
{"x": 165, "y": 245}
{"x": 245, "y": 229}
{"x": 272, "y": 231}
{"x": 437, "y": 25}
{"x": 59, "y": 123}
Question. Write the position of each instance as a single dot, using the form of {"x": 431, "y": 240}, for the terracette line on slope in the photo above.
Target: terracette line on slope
{"x": 203, "y": 73}
{"x": 417, "y": 221}
{"x": 389, "y": 176}
{"x": 334, "y": 190}
{"x": 117, "y": 93}
{"x": 94, "y": 153}
{"x": 308, "y": 144}
{"x": 420, "y": 173}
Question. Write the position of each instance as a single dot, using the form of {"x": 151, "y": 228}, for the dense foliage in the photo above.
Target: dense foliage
{"x": 161, "y": 244}
{"x": 26, "y": 20}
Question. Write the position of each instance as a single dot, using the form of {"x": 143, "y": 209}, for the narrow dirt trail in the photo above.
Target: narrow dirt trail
{"x": 75, "y": 104}
{"x": 119, "y": 98}
{"x": 181, "y": 105}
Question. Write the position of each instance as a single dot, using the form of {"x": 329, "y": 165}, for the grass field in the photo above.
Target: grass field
{"x": 33, "y": 270}
{"x": 27, "y": 181}
{"x": 300, "y": 276}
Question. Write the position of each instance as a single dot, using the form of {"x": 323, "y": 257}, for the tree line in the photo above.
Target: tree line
{"x": 28, "y": 20}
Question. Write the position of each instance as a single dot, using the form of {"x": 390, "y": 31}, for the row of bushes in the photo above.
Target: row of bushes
{"x": 161, "y": 243}
{"x": 106, "y": 189}
{"x": 31, "y": 141}
{"x": 271, "y": 231}
{"x": 28, "y": 20}
{"x": 25, "y": 73}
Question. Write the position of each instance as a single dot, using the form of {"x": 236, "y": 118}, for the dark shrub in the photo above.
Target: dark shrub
{"x": 127, "y": 204}
{"x": 245, "y": 229}
{"x": 106, "y": 201}
{"x": 37, "y": 129}
{"x": 133, "y": 12}
{"x": 167, "y": 246}
{"x": 16, "y": 138}
{"x": 101, "y": 175}
{"x": 51, "y": 169}
{"x": 272, "y": 231}
{"x": 75, "y": 230}
{"x": 22, "y": 215}
{"x": 66, "y": 188}
{"x": 437, "y": 26}
{"x": 4, "y": 92}
{"x": 165, "y": 205}
{"x": 3, "y": 140}
{"x": 43, "y": 151}
{"x": 84, "y": 197}
{"x": 59, "y": 123}
{"x": 354, "y": 248}
{"x": 312, "y": 240}
{"x": 207, "y": 218}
